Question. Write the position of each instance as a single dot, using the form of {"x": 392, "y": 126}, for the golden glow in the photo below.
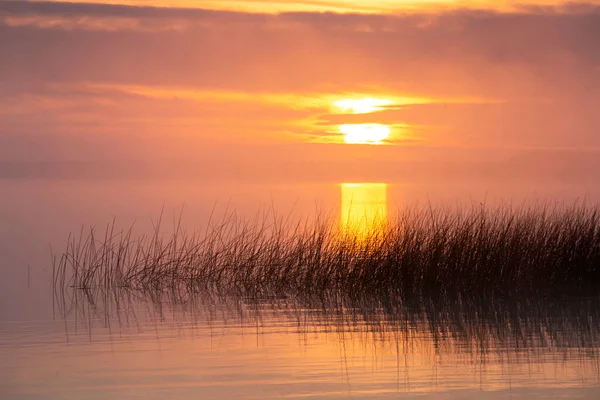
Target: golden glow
{"x": 363, "y": 208}
{"x": 362, "y": 106}
{"x": 342, "y": 6}
{"x": 315, "y": 117}
{"x": 365, "y": 133}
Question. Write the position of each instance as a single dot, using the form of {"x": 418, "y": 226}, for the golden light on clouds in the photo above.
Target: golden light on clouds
{"x": 362, "y": 106}
{"x": 365, "y": 133}
{"x": 347, "y": 117}
{"x": 363, "y": 208}
{"x": 340, "y": 6}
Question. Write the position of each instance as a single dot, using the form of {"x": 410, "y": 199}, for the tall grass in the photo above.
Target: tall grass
{"x": 475, "y": 251}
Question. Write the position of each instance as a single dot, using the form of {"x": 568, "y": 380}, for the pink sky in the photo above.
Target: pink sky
{"x": 490, "y": 88}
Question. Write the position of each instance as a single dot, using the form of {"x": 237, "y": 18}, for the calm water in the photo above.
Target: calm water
{"x": 131, "y": 345}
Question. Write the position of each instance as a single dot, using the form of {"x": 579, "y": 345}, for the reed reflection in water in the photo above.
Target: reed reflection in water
{"x": 338, "y": 346}
{"x": 364, "y": 208}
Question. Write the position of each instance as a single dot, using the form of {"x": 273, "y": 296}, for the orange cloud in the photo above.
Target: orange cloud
{"x": 345, "y": 6}
{"x": 191, "y": 83}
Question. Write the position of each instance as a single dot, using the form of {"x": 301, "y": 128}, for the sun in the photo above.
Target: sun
{"x": 365, "y": 133}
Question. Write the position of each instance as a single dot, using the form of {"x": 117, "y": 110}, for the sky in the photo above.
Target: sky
{"x": 315, "y": 89}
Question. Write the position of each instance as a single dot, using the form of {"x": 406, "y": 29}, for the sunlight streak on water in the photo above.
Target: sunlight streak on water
{"x": 364, "y": 208}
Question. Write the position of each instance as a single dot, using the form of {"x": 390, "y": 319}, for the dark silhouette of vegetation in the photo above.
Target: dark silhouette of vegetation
{"x": 471, "y": 252}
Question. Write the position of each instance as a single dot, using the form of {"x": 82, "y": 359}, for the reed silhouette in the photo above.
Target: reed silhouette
{"x": 429, "y": 251}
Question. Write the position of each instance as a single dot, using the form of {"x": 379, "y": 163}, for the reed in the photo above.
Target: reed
{"x": 475, "y": 251}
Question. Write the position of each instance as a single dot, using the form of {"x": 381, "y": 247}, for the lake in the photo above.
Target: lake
{"x": 128, "y": 344}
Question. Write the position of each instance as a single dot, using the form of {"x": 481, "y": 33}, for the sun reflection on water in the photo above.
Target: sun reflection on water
{"x": 363, "y": 208}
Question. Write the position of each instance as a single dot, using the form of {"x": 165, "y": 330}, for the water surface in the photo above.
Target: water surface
{"x": 144, "y": 345}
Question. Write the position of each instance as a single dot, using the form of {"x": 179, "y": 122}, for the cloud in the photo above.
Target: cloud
{"x": 454, "y": 53}
{"x": 345, "y": 6}
{"x": 169, "y": 81}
